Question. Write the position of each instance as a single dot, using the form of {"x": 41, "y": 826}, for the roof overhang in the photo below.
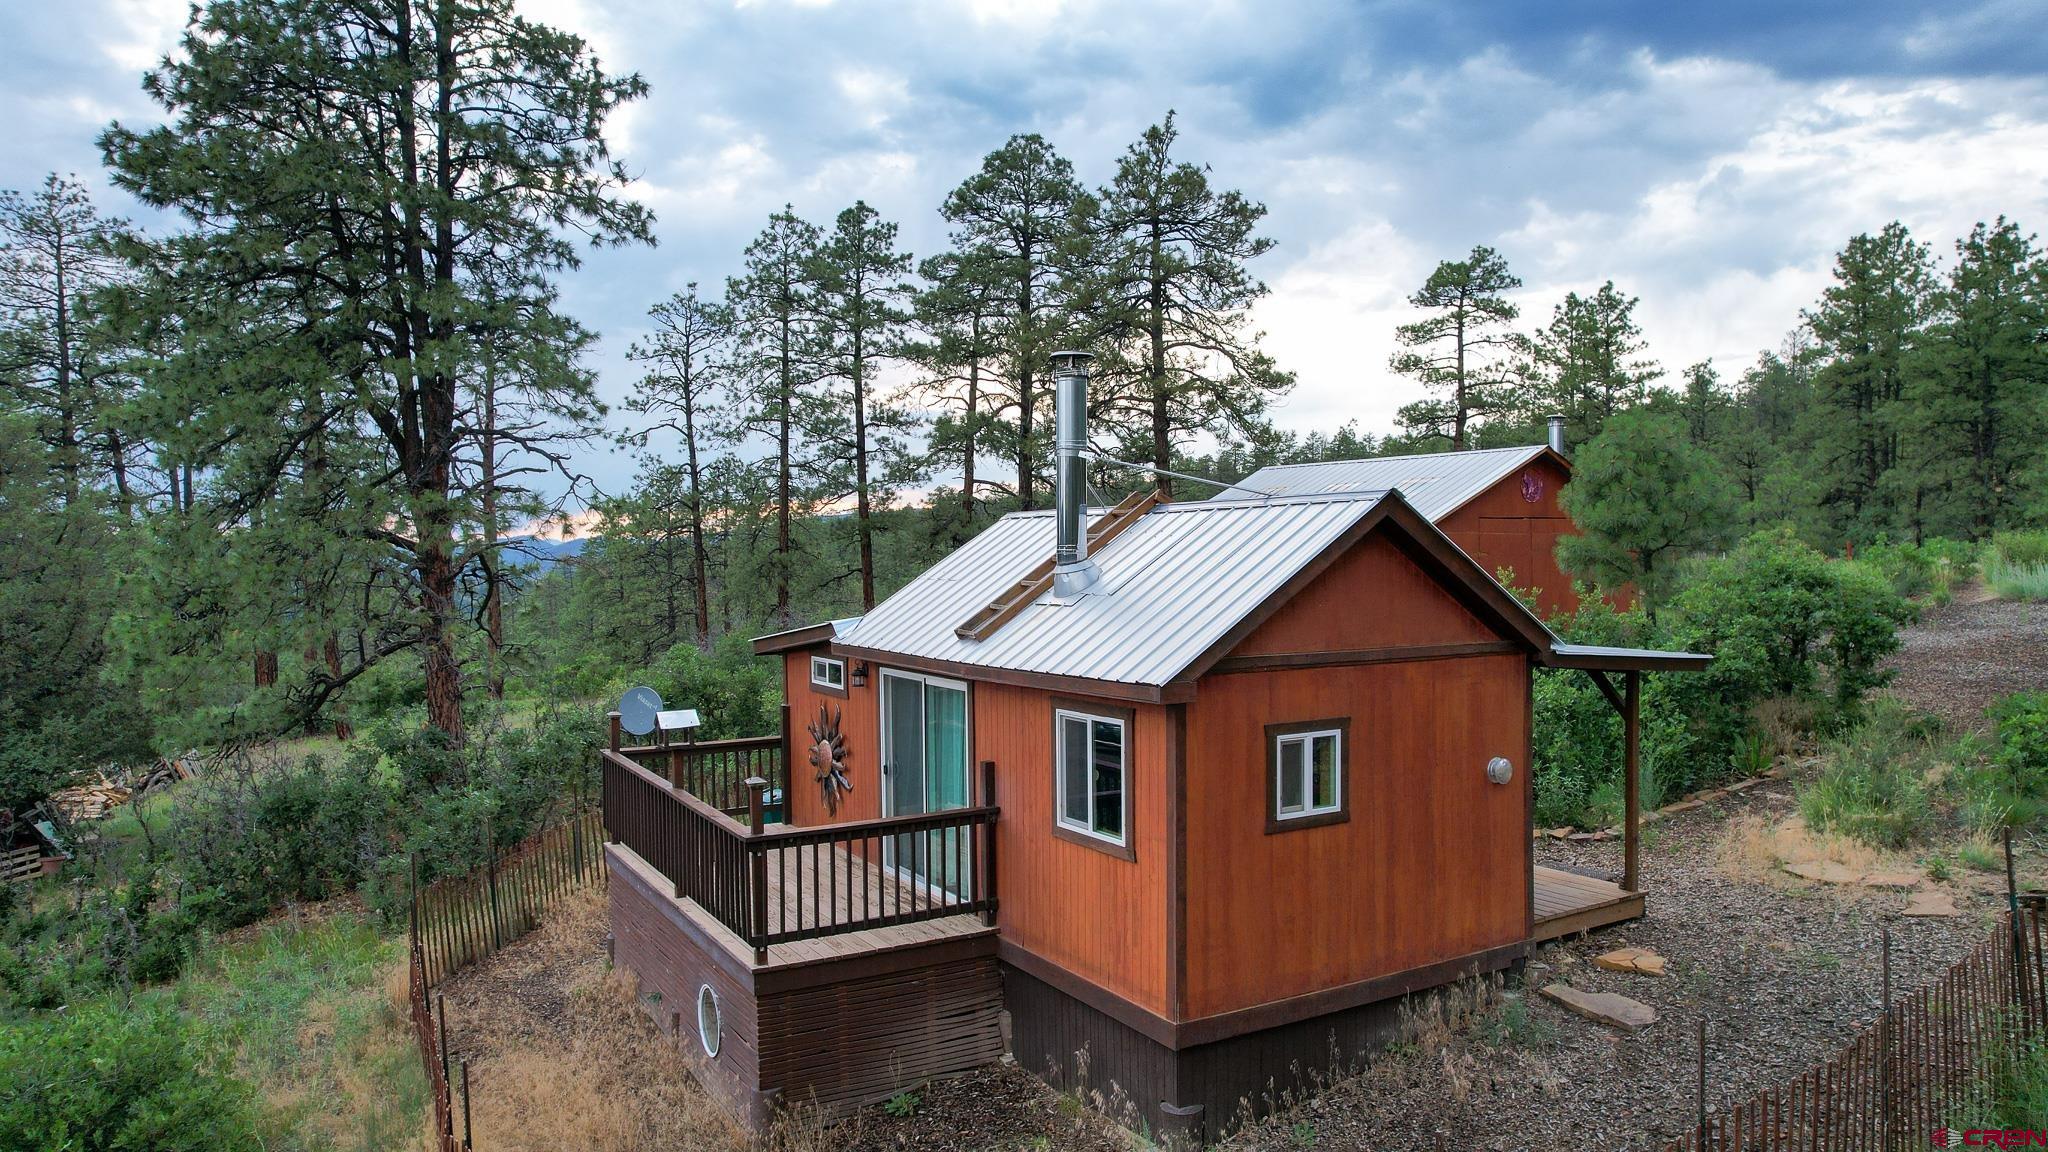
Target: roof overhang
{"x": 808, "y": 636}
{"x": 1175, "y": 693}
{"x": 1596, "y": 658}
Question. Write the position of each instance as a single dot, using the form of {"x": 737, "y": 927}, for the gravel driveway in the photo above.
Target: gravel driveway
{"x": 1784, "y": 970}
{"x": 1968, "y": 653}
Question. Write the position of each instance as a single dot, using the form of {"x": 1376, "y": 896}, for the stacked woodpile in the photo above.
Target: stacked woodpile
{"x": 83, "y": 802}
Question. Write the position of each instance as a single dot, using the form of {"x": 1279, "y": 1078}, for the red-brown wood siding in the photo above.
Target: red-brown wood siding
{"x": 1503, "y": 528}
{"x": 1097, "y": 915}
{"x": 860, "y": 722}
{"x": 1431, "y": 864}
{"x": 1372, "y": 598}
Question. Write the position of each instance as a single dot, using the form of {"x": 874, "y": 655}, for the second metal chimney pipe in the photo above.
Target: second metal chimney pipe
{"x": 1072, "y": 573}
{"x": 1557, "y": 435}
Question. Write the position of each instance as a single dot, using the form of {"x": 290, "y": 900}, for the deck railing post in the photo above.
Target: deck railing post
{"x": 675, "y": 769}
{"x": 611, "y": 720}
{"x": 757, "y": 860}
{"x": 988, "y": 845}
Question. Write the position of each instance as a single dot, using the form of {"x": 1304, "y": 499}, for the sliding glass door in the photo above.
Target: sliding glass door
{"x": 924, "y": 769}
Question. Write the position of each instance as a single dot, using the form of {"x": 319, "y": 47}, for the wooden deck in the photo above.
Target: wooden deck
{"x": 1568, "y": 903}
{"x": 856, "y": 888}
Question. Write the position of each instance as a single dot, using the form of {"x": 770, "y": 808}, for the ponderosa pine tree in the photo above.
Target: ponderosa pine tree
{"x": 771, "y": 308}
{"x": 1588, "y": 363}
{"x": 1705, "y": 404}
{"x": 1868, "y": 328}
{"x": 1461, "y": 354}
{"x": 957, "y": 312}
{"x": 687, "y": 359}
{"x": 56, "y": 254}
{"x": 1644, "y": 497}
{"x": 426, "y": 146}
{"x": 1016, "y": 211}
{"x": 1161, "y": 284}
{"x": 1977, "y": 410}
{"x": 859, "y": 299}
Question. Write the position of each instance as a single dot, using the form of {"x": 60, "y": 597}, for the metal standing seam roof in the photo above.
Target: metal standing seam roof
{"x": 1173, "y": 584}
{"x": 1436, "y": 483}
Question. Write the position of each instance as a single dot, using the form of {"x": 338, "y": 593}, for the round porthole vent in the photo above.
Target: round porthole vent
{"x": 1500, "y": 770}
{"x": 710, "y": 1025}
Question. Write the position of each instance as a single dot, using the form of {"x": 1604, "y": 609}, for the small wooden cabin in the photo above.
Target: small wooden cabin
{"x": 1198, "y": 790}
{"x": 1499, "y": 504}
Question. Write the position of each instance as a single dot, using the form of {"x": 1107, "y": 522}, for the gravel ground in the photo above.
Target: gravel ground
{"x": 1968, "y": 653}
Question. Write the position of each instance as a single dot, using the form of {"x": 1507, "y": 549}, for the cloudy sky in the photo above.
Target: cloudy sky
{"x": 1709, "y": 158}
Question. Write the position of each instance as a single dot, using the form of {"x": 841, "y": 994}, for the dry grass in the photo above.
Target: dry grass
{"x": 564, "y": 1060}
{"x": 1754, "y": 847}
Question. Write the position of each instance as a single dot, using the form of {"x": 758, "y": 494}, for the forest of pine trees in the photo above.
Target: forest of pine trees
{"x": 276, "y": 458}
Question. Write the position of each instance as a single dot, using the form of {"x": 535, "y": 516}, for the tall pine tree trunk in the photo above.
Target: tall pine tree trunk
{"x": 1155, "y": 323}
{"x": 699, "y": 565}
{"x": 972, "y": 427}
{"x": 863, "y": 527}
{"x": 494, "y": 583}
{"x": 786, "y": 402}
{"x": 1025, "y": 375}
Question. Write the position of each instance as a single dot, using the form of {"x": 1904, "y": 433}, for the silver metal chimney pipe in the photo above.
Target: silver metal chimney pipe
{"x": 1557, "y": 435}
{"x": 1072, "y": 571}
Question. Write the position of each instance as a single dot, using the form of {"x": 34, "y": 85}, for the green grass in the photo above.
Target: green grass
{"x": 2018, "y": 1079}
{"x": 305, "y": 1007}
{"x": 2016, "y": 580}
{"x": 1874, "y": 786}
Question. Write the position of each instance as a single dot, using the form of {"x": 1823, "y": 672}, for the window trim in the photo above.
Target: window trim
{"x": 1127, "y": 719}
{"x": 1275, "y": 822}
{"x": 826, "y": 686}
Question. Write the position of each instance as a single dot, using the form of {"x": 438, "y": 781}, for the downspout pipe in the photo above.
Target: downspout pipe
{"x": 1073, "y": 573}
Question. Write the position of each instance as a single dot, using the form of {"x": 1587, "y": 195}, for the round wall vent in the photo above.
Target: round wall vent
{"x": 710, "y": 1025}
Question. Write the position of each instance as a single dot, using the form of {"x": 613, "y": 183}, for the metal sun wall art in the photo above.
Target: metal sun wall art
{"x": 828, "y": 758}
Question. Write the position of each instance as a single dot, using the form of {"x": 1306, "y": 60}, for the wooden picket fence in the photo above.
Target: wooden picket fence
{"x": 431, "y": 1035}
{"x": 459, "y": 920}
{"x": 1927, "y": 1064}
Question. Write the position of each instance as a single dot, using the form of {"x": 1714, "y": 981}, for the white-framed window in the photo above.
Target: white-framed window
{"x": 827, "y": 672}
{"x": 1093, "y": 762}
{"x": 1308, "y": 773}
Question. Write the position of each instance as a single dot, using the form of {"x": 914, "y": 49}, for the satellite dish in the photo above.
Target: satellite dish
{"x": 637, "y": 710}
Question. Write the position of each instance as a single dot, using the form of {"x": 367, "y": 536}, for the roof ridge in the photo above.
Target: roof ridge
{"x": 1402, "y": 456}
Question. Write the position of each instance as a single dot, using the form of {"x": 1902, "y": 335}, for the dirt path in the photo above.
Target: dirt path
{"x": 1966, "y": 654}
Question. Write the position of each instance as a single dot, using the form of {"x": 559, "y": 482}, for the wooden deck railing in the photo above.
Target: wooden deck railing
{"x": 777, "y": 885}
{"x": 717, "y": 771}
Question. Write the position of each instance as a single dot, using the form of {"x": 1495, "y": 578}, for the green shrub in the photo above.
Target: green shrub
{"x": 1781, "y": 620}
{"x": 265, "y": 830}
{"x": 2009, "y": 785}
{"x": 735, "y": 692}
{"x": 1874, "y": 787}
{"x": 1930, "y": 568}
{"x": 2021, "y": 547}
{"x": 106, "y": 1078}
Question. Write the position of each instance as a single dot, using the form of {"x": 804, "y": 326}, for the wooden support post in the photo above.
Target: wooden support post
{"x": 788, "y": 758}
{"x": 1631, "y": 785}
{"x": 675, "y": 769}
{"x": 757, "y": 789}
{"x": 611, "y": 720}
{"x": 988, "y": 844}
